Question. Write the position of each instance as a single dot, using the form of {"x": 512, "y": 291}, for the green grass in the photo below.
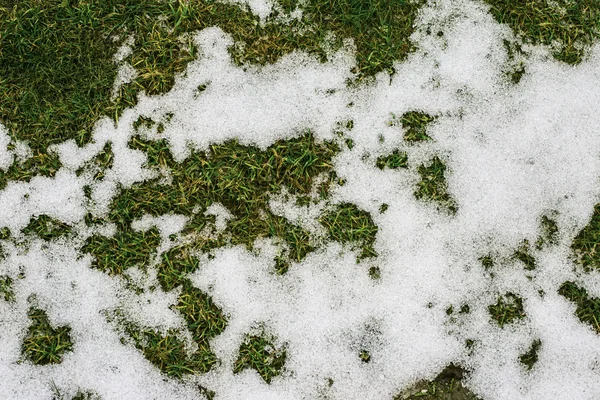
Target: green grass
{"x": 522, "y": 254}
{"x": 446, "y": 386}
{"x": 549, "y": 233}
{"x": 57, "y": 70}
{"x": 529, "y": 358}
{"x": 588, "y": 309}
{"x": 414, "y": 124}
{"x": 586, "y": 245}
{"x": 169, "y": 353}
{"x": 395, "y": 160}
{"x": 128, "y": 248}
{"x": 46, "y": 228}
{"x": 57, "y": 394}
{"x": 101, "y": 162}
{"x": 259, "y": 353}
{"x": 45, "y": 344}
{"x": 349, "y": 224}
{"x": 573, "y": 24}
{"x": 508, "y": 309}
{"x": 6, "y": 289}
{"x": 433, "y": 186}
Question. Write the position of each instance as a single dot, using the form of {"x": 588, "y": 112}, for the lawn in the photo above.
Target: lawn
{"x": 299, "y": 199}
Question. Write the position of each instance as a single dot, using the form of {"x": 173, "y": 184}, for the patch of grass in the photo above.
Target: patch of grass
{"x": 393, "y": 161}
{"x": 586, "y": 244}
{"x": 128, "y": 248}
{"x": 529, "y": 358}
{"x": 414, "y": 124}
{"x": 176, "y": 264}
{"x": 516, "y": 68}
{"x": 446, "y": 386}
{"x": 549, "y": 233}
{"x": 588, "y": 309}
{"x": 522, "y": 254}
{"x": 47, "y": 228}
{"x": 239, "y": 177}
{"x": 349, "y": 224}
{"x": 573, "y": 24}
{"x": 100, "y": 163}
{"x": 169, "y": 352}
{"x": 6, "y": 290}
{"x": 433, "y": 185}
{"x": 80, "y": 395}
{"x": 508, "y": 309}
{"x": 259, "y": 352}
{"x": 45, "y": 344}
{"x": 364, "y": 356}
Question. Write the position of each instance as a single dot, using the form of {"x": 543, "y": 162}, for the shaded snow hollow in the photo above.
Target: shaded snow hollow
{"x": 514, "y": 153}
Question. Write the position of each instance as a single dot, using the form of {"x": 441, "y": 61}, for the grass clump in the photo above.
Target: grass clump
{"x": 79, "y": 395}
{"x": 573, "y": 24}
{"x": 522, "y": 254}
{"x": 259, "y": 352}
{"x": 45, "y": 344}
{"x": 508, "y": 309}
{"x": 393, "y": 161}
{"x": 433, "y": 185}
{"x": 126, "y": 249}
{"x": 414, "y": 124}
{"x": 47, "y": 228}
{"x": 169, "y": 352}
{"x": 6, "y": 289}
{"x": 586, "y": 244}
{"x": 100, "y": 163}
{"x": 529, "y": 358}
{"x": 446, "y": 386}
{"x": 349, "y": 224}
{"x": 588, "y": 309}
{"x": 549, "y": 233}
{"x": 241, "y": 178}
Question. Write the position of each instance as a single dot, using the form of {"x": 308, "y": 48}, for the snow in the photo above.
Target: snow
{"x": 513, "y": 154}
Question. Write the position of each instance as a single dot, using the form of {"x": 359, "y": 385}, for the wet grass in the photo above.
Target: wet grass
{"x": 46, "y": 228}
{"x": 45, "y": 344}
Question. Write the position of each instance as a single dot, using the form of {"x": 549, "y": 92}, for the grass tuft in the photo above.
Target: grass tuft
{"x": 349, "y": 224}
{"x": 259, "y": 352}
{"x": 446, "y": 386}
{"x": 588, "y": 309}
{"x": 47, "y": 228}
{"x": 6, "y": 289}
{"x": 393, "y": 161}
{"x": 45, "y": 344}
{"x": 529, "y": 358}
{"x": 433, "y": 185}
{"x": 414, "y": 124}
{"x": 572, "y": 24}
{"x": 509, "y": 308}
{"x": 586, "y": 244}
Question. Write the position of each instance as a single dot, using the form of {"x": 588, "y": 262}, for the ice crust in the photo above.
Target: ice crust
{"x": 513, "y": 153}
